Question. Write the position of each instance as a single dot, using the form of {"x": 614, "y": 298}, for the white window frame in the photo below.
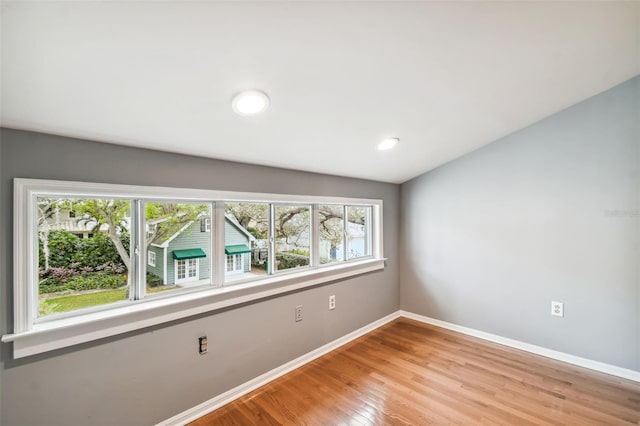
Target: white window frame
{"x": 31, "y": 337}
{"x": 151, "y": 258}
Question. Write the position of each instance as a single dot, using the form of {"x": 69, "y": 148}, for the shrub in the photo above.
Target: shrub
{"x": 79, "y": 282}
{"x": 260, "y": 235}
{"x": 291, "y": 260}
{"x": 62, "y": 248}
{"x": 66, "y": 248}
{"x": 298, "y": 251}
{"x": 99, "y": 250}
{"x": 153, "y": 280}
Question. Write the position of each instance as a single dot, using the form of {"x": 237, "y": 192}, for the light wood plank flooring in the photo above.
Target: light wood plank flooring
{"x": 409, "y": 373}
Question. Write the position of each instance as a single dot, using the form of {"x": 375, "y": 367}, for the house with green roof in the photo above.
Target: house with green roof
{"x": 185, "y": 256}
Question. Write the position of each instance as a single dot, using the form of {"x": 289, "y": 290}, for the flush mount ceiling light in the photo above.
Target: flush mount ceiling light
{"x": 388, "y": 144}
{"x": 250, "y": 102}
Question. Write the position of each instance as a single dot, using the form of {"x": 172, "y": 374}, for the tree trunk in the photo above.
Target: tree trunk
{"x": 126, "y": 259}
{"x": 44, "y": 237}
{"x": 113, "y": 235}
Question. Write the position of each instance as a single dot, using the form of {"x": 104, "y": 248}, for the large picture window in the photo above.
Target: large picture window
{"x": 332, "y": 233}
{"x": 88, "y": 254}
{"x": 246, "y": 241}
{"x": 83, "y": 252}
{"x": 292, "y": 236}
{"x": 358, "y": 231}
{"x": 179, "y": 235}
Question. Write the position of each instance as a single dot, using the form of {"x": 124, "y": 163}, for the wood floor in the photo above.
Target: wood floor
{"x": 409, "y": 373}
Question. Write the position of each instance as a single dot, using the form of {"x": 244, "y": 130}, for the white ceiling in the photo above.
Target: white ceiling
{"x": 444, "y": 77}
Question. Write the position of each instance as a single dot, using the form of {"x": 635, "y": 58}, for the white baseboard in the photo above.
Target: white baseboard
{"x": 240, "y": 390}
{"x": 243, "y": 389}
{"x": 538, "y": 350}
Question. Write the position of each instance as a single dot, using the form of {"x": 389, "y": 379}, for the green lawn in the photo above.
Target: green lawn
{"x": 79, "y": 301}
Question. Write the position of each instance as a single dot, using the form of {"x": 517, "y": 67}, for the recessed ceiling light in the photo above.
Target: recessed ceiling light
{"x": 388, "y": 144}
{"x": 250, "y": 102}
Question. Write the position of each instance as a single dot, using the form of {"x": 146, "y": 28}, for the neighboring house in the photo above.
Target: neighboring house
{"x": 184, "y": 257}
{"x": 66, "y": 220}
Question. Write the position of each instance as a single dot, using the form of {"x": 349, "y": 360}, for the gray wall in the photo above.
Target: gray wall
{"x": 549, "y": 213}
{"x": 147, "y": 376}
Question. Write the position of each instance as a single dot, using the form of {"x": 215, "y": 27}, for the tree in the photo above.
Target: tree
{"x": 292, "y": 222}
{"x": 254, "y": 217}
{"x": 48, "y": 208}
{"x": 113, "y": 214}
{"x": 112, "y": 218}
{"x": 292, "y": 225}
{"x": 332, "y": 226}
{"x": 165, "y": 219}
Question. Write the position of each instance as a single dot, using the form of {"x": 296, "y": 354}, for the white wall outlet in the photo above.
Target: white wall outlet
{"x": 557, "y": 309}
{"x": 332, "y": 302}
{"x": 298, "y": 313}
{"x": 202, "y": 345}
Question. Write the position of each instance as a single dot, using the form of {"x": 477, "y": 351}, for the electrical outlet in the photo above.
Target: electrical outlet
{"x": 557, "y": 309}
{"x": 202, "y": 345}
{"x": 298, "y": 313}
{"x": 332, "y": 302}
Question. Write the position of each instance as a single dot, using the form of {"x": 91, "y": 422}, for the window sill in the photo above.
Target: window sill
{"x": 66, "y": 332}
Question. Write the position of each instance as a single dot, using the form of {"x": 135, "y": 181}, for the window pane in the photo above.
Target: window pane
{"x": 246, "y": 240}
{"x": 358, "y": 232}
{"x": 331, "y": 222}
{"x": 83, "y": 253}
{"x": 292, "y": 236}
{"x": 179, "y": 236}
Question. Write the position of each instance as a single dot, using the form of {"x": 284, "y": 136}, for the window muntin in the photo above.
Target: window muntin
{"x": 292, "y": 236}
{"x": 181, "y": 269}
{"x": 83, "y": 258}
{"x": 151, "y": 258}
{"x": 235, "y": 263}
{"x": 187, "y": 271}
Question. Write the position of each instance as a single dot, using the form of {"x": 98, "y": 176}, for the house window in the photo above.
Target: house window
{"x": 69, "y": 290}
{"x": 235, "y": 263}
{"x": 186, "y": 271}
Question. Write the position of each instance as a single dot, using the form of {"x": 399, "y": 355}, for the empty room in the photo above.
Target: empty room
{"x": 319, "y": 213}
